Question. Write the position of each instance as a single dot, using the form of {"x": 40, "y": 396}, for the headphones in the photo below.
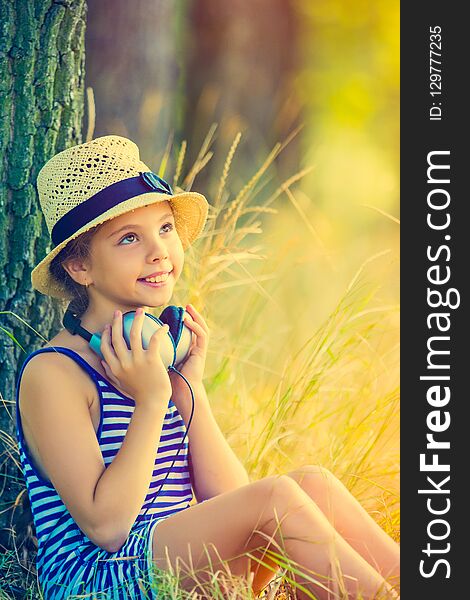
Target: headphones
{"x": 174, "y": 346}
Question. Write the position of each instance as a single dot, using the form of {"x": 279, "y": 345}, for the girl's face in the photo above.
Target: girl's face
{"x": 128, "y": 248}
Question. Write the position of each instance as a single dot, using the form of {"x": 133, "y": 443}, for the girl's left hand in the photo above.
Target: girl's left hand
{"x": 193, "y": 367}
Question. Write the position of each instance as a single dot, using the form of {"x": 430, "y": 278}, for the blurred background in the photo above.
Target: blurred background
{"x": 170, "y": 70}
{"x": 285, "y": 114}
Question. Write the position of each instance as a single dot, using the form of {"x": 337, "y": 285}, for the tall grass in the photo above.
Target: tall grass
{"x": 295, "y": 374}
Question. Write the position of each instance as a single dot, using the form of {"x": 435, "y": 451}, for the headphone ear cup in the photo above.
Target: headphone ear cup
{"x": 173, "y": 317}
{"x": 184, "y": 344}
{"x": 182, "y": 336}
{"x": 150, "y": 325}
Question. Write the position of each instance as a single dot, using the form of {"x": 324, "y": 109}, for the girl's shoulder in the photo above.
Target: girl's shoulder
{"x": 93, "y": 362}
{"x": 50, "y": 380}
{"x": 54, "y": 419}
{"x": 57, "y": 361}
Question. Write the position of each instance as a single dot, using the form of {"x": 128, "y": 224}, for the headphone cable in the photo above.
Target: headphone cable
{"x": 171, "y": 368}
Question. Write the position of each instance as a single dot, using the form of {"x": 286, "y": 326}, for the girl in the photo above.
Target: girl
{"x": 97, "y": 438}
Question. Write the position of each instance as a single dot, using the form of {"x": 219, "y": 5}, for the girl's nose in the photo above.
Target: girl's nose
{"x": 157, "y": 249}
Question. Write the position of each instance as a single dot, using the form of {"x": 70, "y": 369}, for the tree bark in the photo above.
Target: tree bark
{"x": 41, "y": 112}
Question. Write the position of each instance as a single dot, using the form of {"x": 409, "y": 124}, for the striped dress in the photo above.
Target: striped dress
{"x": 68, "y": 562}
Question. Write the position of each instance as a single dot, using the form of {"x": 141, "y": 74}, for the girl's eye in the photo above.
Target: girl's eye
{"x": 170, "y": 224}
{"x": 133, "y": 235}
{"x": 129, "y": 235}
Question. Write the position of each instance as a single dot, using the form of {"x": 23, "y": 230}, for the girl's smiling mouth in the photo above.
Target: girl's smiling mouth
{"x": 158, "y": 281}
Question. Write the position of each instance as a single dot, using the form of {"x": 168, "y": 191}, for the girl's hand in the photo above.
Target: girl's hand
{"x": 139, "y": 372}
{"x": 193, "y": 367}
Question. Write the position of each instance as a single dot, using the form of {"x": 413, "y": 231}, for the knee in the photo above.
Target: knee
{"x": 275, "y": 487}
{"x": 317, "y": 470}
{"x": 313, "y": 473}
{"x": 316, "y": 480}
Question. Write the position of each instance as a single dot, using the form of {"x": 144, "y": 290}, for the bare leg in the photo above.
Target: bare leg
{"x": 351, "y": 520}
{"x": 231, "y": 524}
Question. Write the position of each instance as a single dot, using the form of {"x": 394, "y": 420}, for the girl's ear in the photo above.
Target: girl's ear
{"x": 78, "y": 270}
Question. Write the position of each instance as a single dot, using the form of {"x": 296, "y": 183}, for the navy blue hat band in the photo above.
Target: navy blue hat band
{"x": 105, "y": 199}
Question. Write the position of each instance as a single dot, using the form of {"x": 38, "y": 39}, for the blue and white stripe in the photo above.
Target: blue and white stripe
{"x": 68, "y": 562}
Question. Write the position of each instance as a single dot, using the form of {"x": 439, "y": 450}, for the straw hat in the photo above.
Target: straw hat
{"x": 88, "y": 184}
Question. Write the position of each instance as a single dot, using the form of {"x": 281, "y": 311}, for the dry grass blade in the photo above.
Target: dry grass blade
{"x": 226, "y": 233}
{"x": 201, "y": 158}
{"x": 179, "y": 163}
{"x": 363, "y": 265}
{"x": 207, "y": 141}
{"x": 296, "y": 571}
{"x": 166, "y": 155}
{"x": 292, "y": 135}
{"x": 197, "y": 168}
{"x": 242, "y": 232}
{"x": 382, "y": 212}
{"x": 237, "y": 202}
{"x": 91, "y": 112}
{"x": 284, "y": 186}
{"x": 259, "y": 209}
{"x": 304, "y": 217}
{"x": 281, "y": 147}
{"x": 247, "y": 281}
{"x": 10, "y": 448}
{"x": 231, "y": 257}
{"x": 228, "y": 162}
{"x": 259, "y": 287}
{"x": 223, "y": 262}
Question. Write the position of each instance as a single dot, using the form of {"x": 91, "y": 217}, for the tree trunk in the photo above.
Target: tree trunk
{"x": 41, "y": 111}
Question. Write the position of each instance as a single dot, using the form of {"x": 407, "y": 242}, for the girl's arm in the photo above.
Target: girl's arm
{"x": 104, "y": 502}
{"x": 122, "y": 488}
{"x": 214, "y": 466}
